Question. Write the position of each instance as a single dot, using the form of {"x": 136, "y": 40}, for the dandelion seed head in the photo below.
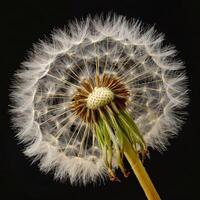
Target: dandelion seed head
{"x": 92, "y": 64}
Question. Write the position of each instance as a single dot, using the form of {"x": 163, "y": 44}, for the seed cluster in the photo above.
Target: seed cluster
{"x": 98, "y": 84}
{"x": 99, "y": 97}
{"x": 93, "y": 94}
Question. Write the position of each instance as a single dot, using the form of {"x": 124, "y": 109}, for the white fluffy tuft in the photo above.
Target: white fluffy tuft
{"x": 46, "y": 81}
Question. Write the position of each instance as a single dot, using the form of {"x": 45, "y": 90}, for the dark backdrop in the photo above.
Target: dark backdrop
{"x": 175, "y": 173}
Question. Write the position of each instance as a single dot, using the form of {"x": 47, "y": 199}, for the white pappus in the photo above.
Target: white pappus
{"x": 44, "y": 88}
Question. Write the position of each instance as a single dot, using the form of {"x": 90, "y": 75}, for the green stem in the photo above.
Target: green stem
{"x": 140, "y": 172}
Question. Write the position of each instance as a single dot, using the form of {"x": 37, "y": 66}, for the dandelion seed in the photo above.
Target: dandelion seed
{"x": 101, "y": 91}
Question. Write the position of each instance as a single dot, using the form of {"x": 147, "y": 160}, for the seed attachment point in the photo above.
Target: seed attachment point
{"x": 99, "y": 97}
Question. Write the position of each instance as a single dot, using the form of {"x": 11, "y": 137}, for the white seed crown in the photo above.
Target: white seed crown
{"x": 54, "y": 98}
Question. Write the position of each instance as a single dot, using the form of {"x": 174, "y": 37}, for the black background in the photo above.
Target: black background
{"x": 174, "y": 173}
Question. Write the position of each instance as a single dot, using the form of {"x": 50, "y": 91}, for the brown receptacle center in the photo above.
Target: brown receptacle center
{"x": 93, "y": 96}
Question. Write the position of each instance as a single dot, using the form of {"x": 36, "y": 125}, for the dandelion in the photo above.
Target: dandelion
{"x": 101, "y": 91}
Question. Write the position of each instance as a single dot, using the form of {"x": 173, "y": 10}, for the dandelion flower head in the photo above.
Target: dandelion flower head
{"x": 75, "y": 93}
